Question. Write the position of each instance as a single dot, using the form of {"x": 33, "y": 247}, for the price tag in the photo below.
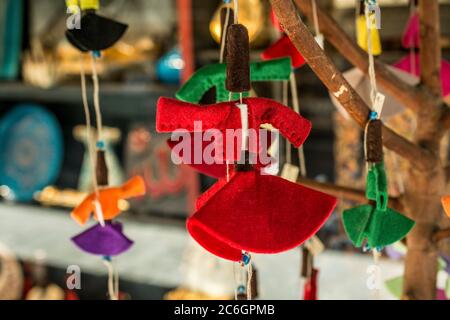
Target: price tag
{"x": 290, "y": 172}
{"x": 315, "y": 246}
{"x": 379, "y": 103}
{"x": 320, "y": 40}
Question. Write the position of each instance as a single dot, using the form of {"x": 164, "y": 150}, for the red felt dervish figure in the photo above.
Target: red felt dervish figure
{"x": 249, "y": 211}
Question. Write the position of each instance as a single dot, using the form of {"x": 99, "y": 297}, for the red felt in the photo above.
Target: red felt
{"x": 257, "y": 213}
{"x": 284, "y": 48}
{"x": 310, "y": 288}
{"x": 173, "y": 115}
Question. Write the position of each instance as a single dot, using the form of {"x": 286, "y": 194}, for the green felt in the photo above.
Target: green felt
{"x": 214, "y": 75}
{"x": 376, "y": 185}
{"x": 395, "y": 286}
{"x": 380, "y": 228}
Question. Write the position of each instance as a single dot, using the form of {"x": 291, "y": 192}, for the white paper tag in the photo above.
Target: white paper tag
{"x": 379, "y": 103}
{"x": 315, "y": 246}
{"x": 290, "y": 172}
{"x": 320, "y": 40}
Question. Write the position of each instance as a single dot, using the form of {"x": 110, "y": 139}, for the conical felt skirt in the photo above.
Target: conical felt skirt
{"x": 105, "y": 241}
{"x": 257, "y": 213}
{"x": 97, "y": 33}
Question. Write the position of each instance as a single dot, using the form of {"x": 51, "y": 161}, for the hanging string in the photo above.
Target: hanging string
{"x": 87, "y": 115}
{"x": 236, "y": 11}
{"x": 249, "y": 280}
{"x": 372, "y": 74}
{"x": 315, "y": 16}
{"x": 377, "y": 275}
{"x": 296, "y": 105}
{"x": 97, "y": 98}
{"x": 109, "y": 267}
{"x": 224, "y": 35}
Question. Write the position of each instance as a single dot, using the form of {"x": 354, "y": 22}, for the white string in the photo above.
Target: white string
{"x": 296, "y": 105}
{"x": 249, "y": 280}
{"x": 97, "y": 99}
{"x": 236, "y": 11}
{"x": 372, "y": 75}
{"x": 87, "y": 115}
{"x": 316, "y": 18}
{"x": 376, "y": 260}
{"x": 224, "y": 35}
{"x": 111, "y": 292}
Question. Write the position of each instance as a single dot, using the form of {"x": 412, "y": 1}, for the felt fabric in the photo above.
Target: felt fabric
{"x": 213, "y": 76}
{"x": 257, "y": 213}
{"x": 376, "y": 186}
{"x": 446, "y": 204}
{"x": 105, "y": 241}
{"x": 90, "y": 4}
{"x": 411, "y": 64}
{"x": 284, "y": 47}
{"x": 238, "y": 59}
{"x": 310, "y": 288}
{"x": 98, "y": 33}
{"x": 380, "y": 225}
{"x": 173, "y": 115}
{"x": 108, "y": 199}
{"x": 411, "y": 35}
{"x": 374, "y": 142}
{"x": 380, "y": 228}
{"x": 361, "y": 36}
{"x": 101, "y": 169}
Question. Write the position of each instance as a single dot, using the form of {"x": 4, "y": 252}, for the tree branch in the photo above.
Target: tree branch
{"x": 346, "y": 193}
{"x": 414, "y": 98}
{"x": 430, "y": 57}
{"x": 441, "y": 235}
{"x": 330, "y": 76}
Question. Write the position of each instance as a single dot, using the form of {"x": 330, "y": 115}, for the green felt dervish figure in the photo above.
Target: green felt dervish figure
{"x": 214, "y": 75}
{"x": 375, "y": 222}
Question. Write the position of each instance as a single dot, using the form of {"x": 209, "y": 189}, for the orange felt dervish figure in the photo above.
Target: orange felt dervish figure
{"x": 108, "y": 198}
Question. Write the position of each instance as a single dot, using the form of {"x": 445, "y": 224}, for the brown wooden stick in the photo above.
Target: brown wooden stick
{"x": 412, "y": 97}
{"x": 333, "y": 79}
{"x": 346, "y": 193}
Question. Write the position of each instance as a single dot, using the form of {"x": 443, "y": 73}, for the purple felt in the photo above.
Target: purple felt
{"x": 105, "y": 241}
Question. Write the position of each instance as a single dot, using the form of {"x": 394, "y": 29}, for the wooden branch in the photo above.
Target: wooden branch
{"x": 414, "y": 98}
{"x": 333, "y": 79}
{"x": 441, "y": 235}
{"x": 346, "y": 193}
{"x": 430, "y": 57}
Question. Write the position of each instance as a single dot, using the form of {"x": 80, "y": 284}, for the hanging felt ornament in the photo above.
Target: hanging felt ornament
{"x": 375, "y": 222}
{"x": 367, "y": 25}
{"x": 96, "y": 33}
{"x": 107, "y": 240}
{"x": 411, "y": 35}
{"x": 108, "y": 198}
{"x": 262, "y": 213}
{"x": 284, "y": 47}
{"x": 214, "y": 75}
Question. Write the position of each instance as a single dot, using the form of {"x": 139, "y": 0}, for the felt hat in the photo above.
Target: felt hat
{"x": 257, "y": 213}
{"x": 107, "y": 240}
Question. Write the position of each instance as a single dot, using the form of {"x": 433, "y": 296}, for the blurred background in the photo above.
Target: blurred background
{"x": 40, "y": 89}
